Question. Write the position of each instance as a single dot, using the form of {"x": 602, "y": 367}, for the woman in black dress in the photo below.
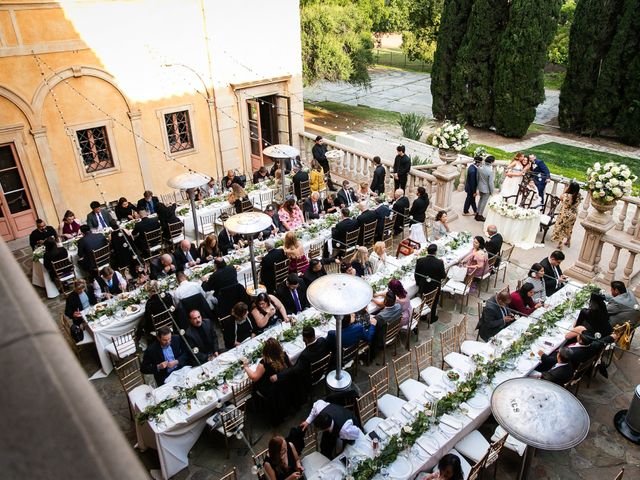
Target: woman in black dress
{"x": 121, "y": 252}
{"x": 125, "y": 211}
{"x": 282, "y": 462}
{"x": 238, "y": 327}
{"x": 267, "y": 311}
{"x": 594, "y": 319}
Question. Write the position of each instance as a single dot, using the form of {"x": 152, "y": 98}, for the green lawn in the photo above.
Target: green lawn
{"x": 396, "y": 58}
{"x": 360, "y": 112}
{"x": 554, "y": 80}
{"x": 496, "y": 152}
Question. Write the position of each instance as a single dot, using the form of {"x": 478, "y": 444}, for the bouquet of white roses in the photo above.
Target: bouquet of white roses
{"x": 450, "y": 136}
{"x": 610, "y": 181}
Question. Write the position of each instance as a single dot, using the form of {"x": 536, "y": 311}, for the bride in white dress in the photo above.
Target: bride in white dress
{"x": 514, "y": 173}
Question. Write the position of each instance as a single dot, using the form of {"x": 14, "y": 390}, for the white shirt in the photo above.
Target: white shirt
{"x": 117, "y": 278}
{"x": 187, "y": 289}
{"x": 348, "y": 431}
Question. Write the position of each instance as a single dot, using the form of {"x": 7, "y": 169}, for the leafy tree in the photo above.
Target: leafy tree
{"x": 336, "y": 43}
{"x": 627, "y": 122}
{"x": 473, "y": 71}
{"x": 559, "y": 48}
{"x": 522, "y": 54}
{"x": 419, "y": 38}
{"x": 455, "y": 15}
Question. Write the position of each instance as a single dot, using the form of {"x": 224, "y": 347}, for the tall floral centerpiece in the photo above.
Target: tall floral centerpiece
{"x": 450, "y": 139}
{"x": 607, "y": 183}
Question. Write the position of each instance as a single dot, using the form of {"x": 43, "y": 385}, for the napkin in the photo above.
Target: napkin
{"x": 451, "y": 421}
{"x": 205, "y": 397}
{"x": 471, "y": 412}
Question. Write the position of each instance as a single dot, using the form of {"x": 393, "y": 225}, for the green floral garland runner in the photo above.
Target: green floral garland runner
{"x": 189, "y": 393}
{"x": 483, "y": 374}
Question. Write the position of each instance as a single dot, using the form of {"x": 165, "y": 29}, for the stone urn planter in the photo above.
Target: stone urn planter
{"x": 602, "y": 214}
{"x": 447, "y": 156}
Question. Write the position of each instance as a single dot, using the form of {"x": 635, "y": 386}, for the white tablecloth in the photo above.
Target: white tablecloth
{"x": 40, "y": 277}
{"x": 519, "y": 232}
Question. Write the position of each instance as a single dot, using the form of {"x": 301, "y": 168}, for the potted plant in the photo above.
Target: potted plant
{"x": 450, "y": 139}
{"x": 607, "y": 183}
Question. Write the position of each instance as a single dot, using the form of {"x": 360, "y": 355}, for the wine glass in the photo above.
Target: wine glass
{"x": 384, "y": 471}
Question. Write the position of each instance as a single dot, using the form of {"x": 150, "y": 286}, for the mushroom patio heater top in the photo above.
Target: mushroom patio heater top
{"x": 190, "y": 181}
{"x": 339, "y": 294}
{"x": 280, "y": 152}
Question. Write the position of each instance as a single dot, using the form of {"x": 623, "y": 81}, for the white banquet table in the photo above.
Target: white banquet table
{"x": 520, "y": 232}
{"x": 40, "y": 276}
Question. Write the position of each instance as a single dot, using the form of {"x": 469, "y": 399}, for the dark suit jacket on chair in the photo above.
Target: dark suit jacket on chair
{"x": 341, "y": 229}
{"x": 493, "y": 247}
{"x": 267, "y": 268}
{"x": 399, "y": 207}
{"x": 432, "y": 267}
{"x": 146, "y": 225}
{"x": 365, "y": 217}
{"x": 88, "y": 243}
{"x": 284, "y": 295}
{"x": 181, "y": 257}
{"x": 153, "y": 357}
{"x": 551, "y": 285}
{"x": 382, "y": 212}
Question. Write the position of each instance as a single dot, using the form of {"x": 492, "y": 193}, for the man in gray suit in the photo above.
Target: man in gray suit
{"x": 486, "y": 179}
{"x": 623, "y": 305}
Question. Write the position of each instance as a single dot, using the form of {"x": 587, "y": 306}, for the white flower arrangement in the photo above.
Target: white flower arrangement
{"x": 450, "y": 136}
{"x": 609, "y": 182}
{"x": 510, "y": 210}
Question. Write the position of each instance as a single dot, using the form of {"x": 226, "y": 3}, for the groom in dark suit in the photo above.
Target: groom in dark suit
{"x": 471, "y": 187}
{"x": 540, "y": 174}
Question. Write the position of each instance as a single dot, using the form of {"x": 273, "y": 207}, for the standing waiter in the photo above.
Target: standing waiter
{"x": 319, "y": 152}
{"x": 401, "y": 168}
{"x": 337, "y": 424}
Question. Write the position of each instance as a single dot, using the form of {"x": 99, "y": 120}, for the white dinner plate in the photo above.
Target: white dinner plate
{"x": 429, "y": 445}
{"x": 401, "y": 468}
{"x": 478, "y": 401}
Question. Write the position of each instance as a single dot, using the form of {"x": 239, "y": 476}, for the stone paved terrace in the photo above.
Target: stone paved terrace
{"x": 599, "y": 457}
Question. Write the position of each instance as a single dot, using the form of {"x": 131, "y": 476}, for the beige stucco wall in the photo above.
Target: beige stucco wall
{"x": 116, "y": 55}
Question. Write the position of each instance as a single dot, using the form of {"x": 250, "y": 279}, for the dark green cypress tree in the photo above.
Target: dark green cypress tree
{"x": 603, "y": 107}
{"x": 627, "y": 123}
{"x": 472, "y": 74}
{"x": 453, "y": 25}
{"x": 591, "y": 34}
{"x": 522, "y": 54}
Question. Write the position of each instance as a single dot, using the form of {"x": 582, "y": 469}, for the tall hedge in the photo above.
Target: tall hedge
{"x": 522, "y": 54}
{"x": 627, "y": 122}
{"x": 592, "y": 32}
{"x": 453, "y": 26}
{"x": 473, "y": 72}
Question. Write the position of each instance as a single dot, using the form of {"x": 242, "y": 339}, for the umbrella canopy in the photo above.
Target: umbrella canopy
{"x": 339, "y": 294}
{"x": 281, "y": 151}
{"x": 188, "y": 180}
{"x": 249, "y": 222}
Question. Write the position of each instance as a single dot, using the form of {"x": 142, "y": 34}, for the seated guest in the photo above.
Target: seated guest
{"x": 293, "y": 294}
{"x": 279, "y": 179}
{"x": 223, "y": 276}
{"x": 312, "y": 206}
{"x": 162, "y": 266}
{"x": 402, "y": 299}
{"x": 229, "y": 179}
{"x": 70, "y": 227}
{"x": 315, "y": 349}
{"x": 522, "y": 300}
{"x": 121, "y": 252}
{"x": 299, "y": 176}
{"x": 554, "y": 280}
{"x": 363, "y": 317}
{"x": 585, "y": 348}
{"x": 87, "y": 245}
{"x": 276, "y": 395}
{"x": 293, "y": 249}
{"x": 267, "y": 265}
{"x": 108, "y": 284}
{"x": 209, "y": 189}
{"x": 346, "y": 195}
{"x": 352, "y": 333}
{"x": 419, "y": 206}
{"x": 276, "y": 225}
{"x": 593, "y": 319}
{"x": 148, "y": 202}
{"x": 209, "y": 248}
{"x": 391, "y": 313}
{"x": 237, "y": 196}
{"x": 361, "y": 262}
{"x": 228, "y": 241}
{"x": 290, "y": 214}
{"x": 440, "y": 226}
{"x": 449, "y": 468}
{"x": 139, "y": 274}
{"x": 125, "y": 211}
{"x": 316, "y": 177}
{"x": 495, "y": 316}
{"x": 400, "y": 210}
{"x": 267, "y": 311}
{"x": 80, "y": 299}
{"x": 41, "y": 233}
{"x": 283, "y": 460}
{"x": 429, "y": 275}
{"x": 201, "y": 335}
{"x": 164, "y": 356}
{"x": 536, "y": 278}
{"x": 366, "y": 217}
{"x": 53, "y": 253}
{"x": 337, "y": 425}
{"x": 623, "y": 305}
{"x": 378, "y": 257}
{"x": 98, "y": 218}
{"x": 261, "y": 175}
{"x": 476, "y": 261}
{"x": 157, "y": 303}
{"x": 563, "y": 370}
{"x": 238, "y": 326}
{"x": 186, "y": 289}
{"x": 146, "y": 225}
{"x": 314, "y": 272}
{"x": 493, "y": 246}
{"x": 364, "y": 193}
{"x": 383, "y": 212}
{"x": 186, "y": 255}
{"x": 347, "y": 267}
{"x": 344, "y": 226}
{"x": 167, "y": 215}
{"x": 329, "y": 204}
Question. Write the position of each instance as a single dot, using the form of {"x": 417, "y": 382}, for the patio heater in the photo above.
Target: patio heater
{"x": 281, "y": 152}
{"x": 190, "y": 181}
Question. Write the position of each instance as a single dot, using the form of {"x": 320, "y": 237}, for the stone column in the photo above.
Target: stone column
{"x": 446, "y": 175}
{"x": 50, "y": 169}
{"x": 143, "y": 160}
{"x": 596, "y": 224}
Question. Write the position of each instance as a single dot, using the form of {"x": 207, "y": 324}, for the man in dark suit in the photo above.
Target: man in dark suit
{"x": 299, "y": 176}
{"x": 186, "y": 255}
{"x": 200, "y": 334}
{"x": 81, "y": 298}
{"x": 162, "y": 266}
{"x": 276, "y": 225}
{"x": 312, "y": 206}
{"x": 563, "y": 370}
{"x": 41, "y": 233}
{"x": 164, "y": 356}
{"x": 540, "y": 174}
{"x": 300, "y": 373}
{"x": 585, "y": 348}
{"x": 267, "y": 266}
{"x": 344, "y": 226}
{"x": 319, "y": 152}
{"x": 148, "y": 202}
{"x": 419, "y": 206}
{"x": 493, "y": 246}
{"x": 379, "y": 173}
{"x": 145, "y": 225}
{"x": 223, "y": 276}
{"x": 471, "y": 187}
{"x": 87, "y": 244}
{"x": 346, "y": 195}
{"x": 429, "y": 275}
{"x": 98, "y": 218}
{"x": 554, "y": 280}
{"x": 382, "y": 213}
{"x": 495, "y": 315}
{"x": 366, "y": 216}
{"x": 400, "y": 210}
{"x": 227, "y": 241}
{"x": 293, "y": 294}
{"x": 401, "y": 168}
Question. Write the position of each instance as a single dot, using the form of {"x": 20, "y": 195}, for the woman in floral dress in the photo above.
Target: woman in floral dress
{"x": 563, "y": 227}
